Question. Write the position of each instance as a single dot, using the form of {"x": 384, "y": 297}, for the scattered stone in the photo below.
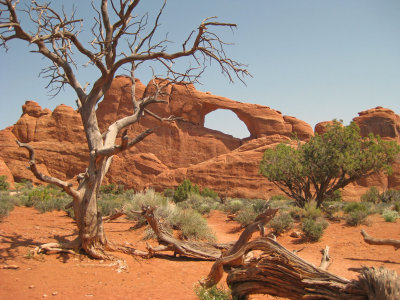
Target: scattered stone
{"x": 44, "y": 296}
{"x": 54, "y": 293}
{"x": 31, "y": 286}
{"x": 295, "y": 234}
{"x": 10, "y": 267}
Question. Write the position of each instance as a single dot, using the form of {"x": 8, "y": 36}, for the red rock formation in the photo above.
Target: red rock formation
{"x": 380, "y": 121}
{"x": 178, "y": 150}
{"x": 5, "y": 171}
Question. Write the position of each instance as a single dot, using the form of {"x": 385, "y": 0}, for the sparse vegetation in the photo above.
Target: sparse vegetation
{"x": 246, "y": 216}
{"x": 200, "y": 203}
{"x": 7, "y": 203}
{"x": 357, "y": 213}
{"x": 213, "y": 293}
{"x": 112, "y": 189}
{"x": 372, "y": 195}
{"x": 233, "y": 206}
{"x": 183, "y": 191}
{"x": 4, "y": 185}
{"x": 281, "y": 223}
{"x": 206, "y": 192}
{"x": 313, "y": 229}
{"x": 390, "y": 215}
{"x": 44, "y": 198}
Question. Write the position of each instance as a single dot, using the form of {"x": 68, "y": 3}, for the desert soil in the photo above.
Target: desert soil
{"x": 65, "y": 276}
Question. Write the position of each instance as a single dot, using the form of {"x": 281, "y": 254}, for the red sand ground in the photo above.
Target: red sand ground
{"x": 77, "y": 277}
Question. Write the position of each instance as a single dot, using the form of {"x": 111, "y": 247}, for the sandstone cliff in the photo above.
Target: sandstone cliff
{"x": 178, "y": 150}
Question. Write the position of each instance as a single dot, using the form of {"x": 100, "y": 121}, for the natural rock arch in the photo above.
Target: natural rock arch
{"x": 241, "y": 130}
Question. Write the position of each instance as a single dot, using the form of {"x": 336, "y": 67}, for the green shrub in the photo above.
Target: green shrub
{"x": 24, "y": 184}
{"x": 278, "y": 197}
{"x": 258, "y": 205}
{"x": 311, "y": 211}
{"x": 357, "y": 213}
{"x": 44, "y": 198}
{"x": 7, "y": 203}
{"x": 372, "y": 195}
{"x": 168, "y": 193}
{"x": 4, "y": 185}
{"x": 313, "y": 229}
{"x": 108, "y": 203}
{"x": 281, "y": 223}
{"x": 112, "y": 189}
{"x": 357, "y": 206}
{"x": 199, "y": 203}
{"x": 390, "y": 215}
{"x": 335, "y": 196}
{"x": 390, "y": 196}
{"x": 356, "y": 218}
{"x": 297, "y": 213}
{"x": 144, "y": 198}
{"x": 246, "y": 216}
{"x": 233, "y": 206}
{"x": 213, "y": 293}
{"x": 206, "y": 192}
{"x": 396, "y": 206}
{"x": 183, "y": 191}
{"x": 191, "y": 224}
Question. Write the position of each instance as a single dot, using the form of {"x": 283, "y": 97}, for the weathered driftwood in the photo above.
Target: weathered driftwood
{"x": 281, "y": 273}
{"x": 325, "y": 259}
{"x": 383, "y": 242}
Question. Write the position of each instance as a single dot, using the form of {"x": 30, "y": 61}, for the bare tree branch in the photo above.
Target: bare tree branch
{"x": 115, "y": 149}
{"x": 374, "y": 241}
{"x": 67, "y": 187}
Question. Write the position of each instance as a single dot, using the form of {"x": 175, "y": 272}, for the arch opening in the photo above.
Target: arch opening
{"x": 227, "y": 122}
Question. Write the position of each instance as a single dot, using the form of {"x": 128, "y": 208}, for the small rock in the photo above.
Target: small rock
{"x": 31, "y": 286}
{"x": 54, "y": 293}
{"x": 295, "y": 234}
{"x": 10, "y": 267}
{"x": 44, "y": 296}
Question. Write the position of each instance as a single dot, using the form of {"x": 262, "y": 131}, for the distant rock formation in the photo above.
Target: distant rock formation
{"x": 176, "y": 151}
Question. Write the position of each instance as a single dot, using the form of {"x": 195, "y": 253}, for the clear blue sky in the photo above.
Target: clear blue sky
{"x": 313, "y": 59}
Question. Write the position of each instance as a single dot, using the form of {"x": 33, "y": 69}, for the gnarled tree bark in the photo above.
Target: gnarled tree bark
{"x": 279, "y": 272}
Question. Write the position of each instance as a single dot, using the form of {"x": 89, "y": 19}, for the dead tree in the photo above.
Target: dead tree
{"x": 279, "y": 272}
{"x": 56, "y": 36}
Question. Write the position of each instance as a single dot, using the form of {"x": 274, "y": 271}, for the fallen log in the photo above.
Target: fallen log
{"x": 201, "y": 250}
{"x": 383, "y": 242}
{"x": 279, "y": 272}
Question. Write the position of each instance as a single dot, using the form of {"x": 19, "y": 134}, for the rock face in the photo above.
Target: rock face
{"x": 380, "y": 121}
{"x": 174, "y": 152}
